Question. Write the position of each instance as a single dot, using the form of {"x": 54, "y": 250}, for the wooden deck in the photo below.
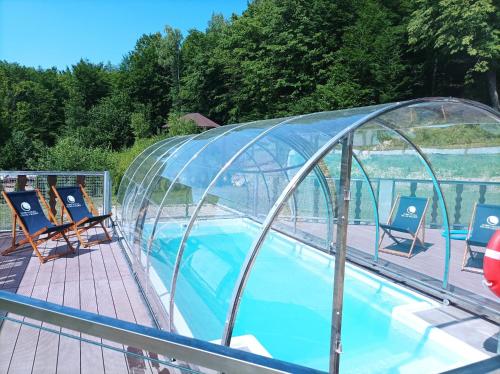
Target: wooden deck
{"x": 96, "y": 279}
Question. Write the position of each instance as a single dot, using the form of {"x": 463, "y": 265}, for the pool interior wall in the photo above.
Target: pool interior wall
{"x": 287, "y": 302}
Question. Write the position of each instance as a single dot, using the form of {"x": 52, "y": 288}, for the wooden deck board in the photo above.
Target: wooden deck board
{"x": 48, "y": 342}
{"x": 114, "y": 362}
{"x": 122, "y": 298}
{"x": 69, "y": 349}
{"x": 91, "y": 355}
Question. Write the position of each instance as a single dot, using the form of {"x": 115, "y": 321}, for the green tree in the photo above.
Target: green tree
{"x": 466, "y": 31}
{"x": 91, "y": 81}
{"x": 342, "y": 90}
{"x": 204, "y": 81}
{"x": 372, "y": 52}
{"x": 20, "y": 151}
{"x": 75, "y": 114}
{"x": 72, "y": 154}
{"x": 109, "y": 124}
{"x": 169, "y": 56}
{"x": 140, "y": 123}
{"x": 34, "y": 113}
{"x": 145, "y": 80}
{"x": 274, "y": 55}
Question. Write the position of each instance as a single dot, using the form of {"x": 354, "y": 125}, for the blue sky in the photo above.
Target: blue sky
{"x": 58, "y": 33}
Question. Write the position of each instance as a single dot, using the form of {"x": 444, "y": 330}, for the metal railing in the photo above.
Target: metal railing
{"x": 198, "y": 354}
{"x": 460, "y": 195}
{"x": 97, "y": 184}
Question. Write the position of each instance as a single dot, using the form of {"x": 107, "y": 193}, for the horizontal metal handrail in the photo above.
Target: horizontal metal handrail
{"x": 51, "y": 172}
{"x": 420, "y": 180}
{"x": 185, "y": 349}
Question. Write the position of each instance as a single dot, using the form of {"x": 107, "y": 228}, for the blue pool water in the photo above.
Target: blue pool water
{"x": 288, "y": 299}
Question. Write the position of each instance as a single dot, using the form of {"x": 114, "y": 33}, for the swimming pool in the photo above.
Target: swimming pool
{"x": 287, "y": 302}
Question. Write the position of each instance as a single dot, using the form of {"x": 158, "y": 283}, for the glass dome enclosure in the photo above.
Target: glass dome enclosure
{"x": 234, "y": 231}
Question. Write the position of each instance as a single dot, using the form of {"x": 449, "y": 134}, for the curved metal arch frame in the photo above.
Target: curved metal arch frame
{"x": 170, "y": 145}
{"x": 155, "y": 147}
{"x": 261, "y": 172}
{"x": 323, "y": 183}
{"x": 293, "y": 145}
{"x": 290, "y": 188}
{"x": 190, "y": 224}
{"x": 128, "y": 191}
{"x": 301, "y": 174}
{"x": 319, "y": 174}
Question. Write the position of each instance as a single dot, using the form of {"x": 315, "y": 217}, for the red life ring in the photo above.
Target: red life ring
{"x": 491, "y": 264}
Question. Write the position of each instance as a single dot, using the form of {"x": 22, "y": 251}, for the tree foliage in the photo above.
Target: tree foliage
{"x": 278, "y": 58}
{"x": 109, "y": 123}
{"x": 466, "y": 32}
{"x": 146, "y": 81}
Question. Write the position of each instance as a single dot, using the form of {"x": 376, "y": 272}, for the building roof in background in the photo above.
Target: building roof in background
{"x": 200, "y": 120}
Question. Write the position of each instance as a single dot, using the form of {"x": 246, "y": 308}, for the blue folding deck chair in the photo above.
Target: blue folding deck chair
{"x": 484, "y": 222}
{"x": 409, "y": 218}
{"x": 28, "y": 214}
{"x": 75, "y": 204}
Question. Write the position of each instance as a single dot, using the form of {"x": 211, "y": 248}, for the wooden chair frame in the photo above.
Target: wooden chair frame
{"x": 415, "y": 238}
{"x": 34, "y": 239}
{"x": 467, "y": 245}
{"x": 79, "y": 227}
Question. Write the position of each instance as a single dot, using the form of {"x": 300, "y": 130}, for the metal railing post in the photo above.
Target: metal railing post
{"x": 106, "y": 195}
{"x": 340, "y": 252}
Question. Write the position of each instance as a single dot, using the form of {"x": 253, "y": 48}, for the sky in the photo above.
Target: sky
{"x": 47, "y": 33}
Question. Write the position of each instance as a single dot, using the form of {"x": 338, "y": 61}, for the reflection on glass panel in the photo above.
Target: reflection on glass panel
{"x": 310, "y": 213}
{"x": 398, "y": 176}
{"x": 290, "y": 316}
{"x": 239, "y": 191}
{"x": 186, "y": 192}
{"x": 164, "y": 179}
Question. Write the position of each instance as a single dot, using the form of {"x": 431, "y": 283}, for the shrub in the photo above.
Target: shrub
{"x": 122, "y": 160}
{"x": 180, "y": 126}
{"x": 70, "y": 154}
